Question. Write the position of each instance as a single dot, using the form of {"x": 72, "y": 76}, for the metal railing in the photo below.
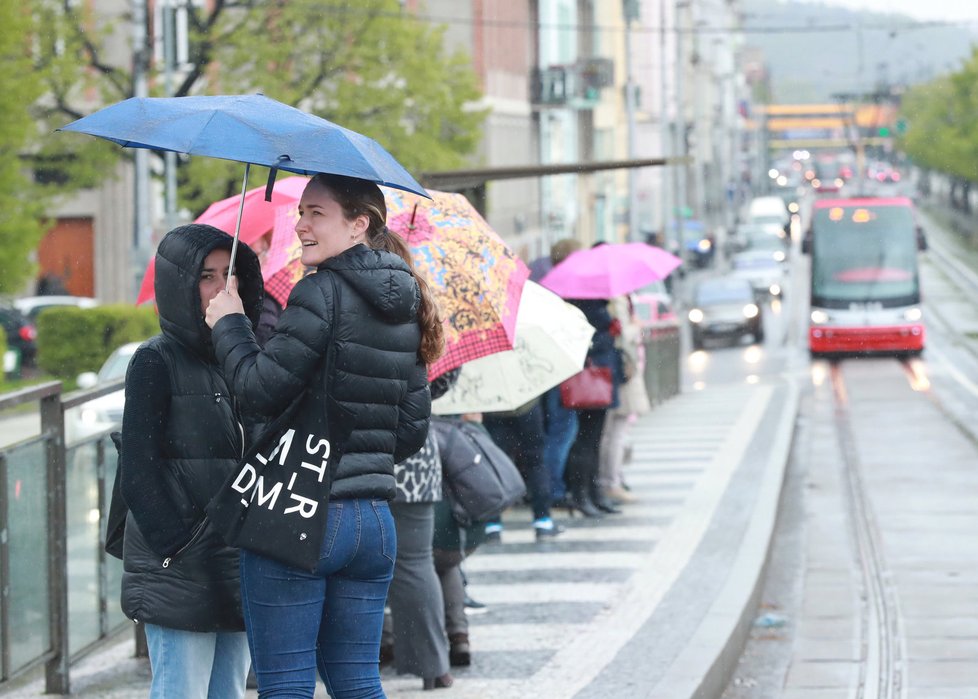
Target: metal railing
{"x": 60, "y": 589}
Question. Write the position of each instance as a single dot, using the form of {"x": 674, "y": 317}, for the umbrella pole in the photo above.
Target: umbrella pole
{"x": 237, "y": 225}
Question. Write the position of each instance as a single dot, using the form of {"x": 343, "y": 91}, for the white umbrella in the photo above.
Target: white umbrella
{"x": 551, "y": 343}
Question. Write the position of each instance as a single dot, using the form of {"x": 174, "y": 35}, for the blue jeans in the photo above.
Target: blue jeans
{"x": 560, "y": 430}
{"x": 330, "y": 619}
{"x": 197, "y": 665}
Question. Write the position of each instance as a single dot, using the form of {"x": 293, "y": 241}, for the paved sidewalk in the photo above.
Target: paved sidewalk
{"x": 653, "y": 602}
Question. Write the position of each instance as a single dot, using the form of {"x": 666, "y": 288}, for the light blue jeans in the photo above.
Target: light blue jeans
{"x": 330, "y": 619}
{"x": 194, "y": 665}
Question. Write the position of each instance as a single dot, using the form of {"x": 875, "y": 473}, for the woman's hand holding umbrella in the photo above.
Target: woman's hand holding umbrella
{"x": 225, "y": 303}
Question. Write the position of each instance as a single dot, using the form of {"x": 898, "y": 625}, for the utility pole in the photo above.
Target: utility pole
{"x": 679, "y": 134}
{"x": 631, "y": 13}
{"x": 142, "y": 230}
{"x": 169, "y": 157}
{"x": 667, "y": 174}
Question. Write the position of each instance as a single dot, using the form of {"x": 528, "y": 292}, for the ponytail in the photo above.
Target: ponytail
{"x": 432, "y": 332}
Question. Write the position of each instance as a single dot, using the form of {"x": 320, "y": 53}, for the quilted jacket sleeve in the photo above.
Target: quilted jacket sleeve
{"x": 265, "y": 381}
{"x": 414, "y": 413}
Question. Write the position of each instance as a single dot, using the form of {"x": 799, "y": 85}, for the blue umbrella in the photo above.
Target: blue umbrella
{"x": 251, "y": 129}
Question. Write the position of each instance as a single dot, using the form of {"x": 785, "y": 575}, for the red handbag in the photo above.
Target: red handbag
{"x": 589, "y": 389}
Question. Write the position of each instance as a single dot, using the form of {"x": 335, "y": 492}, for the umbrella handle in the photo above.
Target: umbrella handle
{"x": 237, "y": 226}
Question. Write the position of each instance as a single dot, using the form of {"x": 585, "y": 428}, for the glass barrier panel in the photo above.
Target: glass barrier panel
{"x": 82, "y": 505}
{"x": 27, "y": 507}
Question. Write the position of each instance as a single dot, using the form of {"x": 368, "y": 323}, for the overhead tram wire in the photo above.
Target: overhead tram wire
{"x": 909, "y": 25}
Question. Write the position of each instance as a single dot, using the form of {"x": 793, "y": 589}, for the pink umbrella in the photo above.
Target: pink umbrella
{"x": 609, "y": 270}
{"x": 281, "y": 268}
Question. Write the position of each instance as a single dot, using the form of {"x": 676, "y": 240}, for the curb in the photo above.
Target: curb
{"x": 719, "y": 640}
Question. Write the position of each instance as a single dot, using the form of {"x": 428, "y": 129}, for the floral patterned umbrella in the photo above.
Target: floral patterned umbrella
{"x": 475, "y": 276}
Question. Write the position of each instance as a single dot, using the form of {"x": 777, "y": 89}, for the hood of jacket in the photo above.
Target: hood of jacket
{"x": 382, "y": 278}
{"x": 179, "y": 261}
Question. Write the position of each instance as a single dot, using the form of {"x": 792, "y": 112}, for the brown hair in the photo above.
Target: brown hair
{"x": 562, "y": 248}
{"x": 363, "y": 198}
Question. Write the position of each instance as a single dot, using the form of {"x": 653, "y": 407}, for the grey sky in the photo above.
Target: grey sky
{"x": 926, "y": 10}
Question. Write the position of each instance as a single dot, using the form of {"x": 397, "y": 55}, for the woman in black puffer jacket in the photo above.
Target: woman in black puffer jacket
{"x": 386, "y": 333}
{"x": 180, "y": 441}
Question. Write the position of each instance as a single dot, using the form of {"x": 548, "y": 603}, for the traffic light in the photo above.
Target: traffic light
{"x": 884, "y": 131}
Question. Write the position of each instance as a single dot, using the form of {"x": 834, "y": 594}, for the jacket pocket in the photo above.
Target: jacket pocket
{"x": 198, "y": 532}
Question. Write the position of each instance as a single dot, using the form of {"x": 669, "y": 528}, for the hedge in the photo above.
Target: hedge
{"x": 72, "y": 340}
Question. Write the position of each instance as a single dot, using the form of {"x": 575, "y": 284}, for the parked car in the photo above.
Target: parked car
{"x": 653, "y": 307}
{"x": 104, "y": 413}
{"x": 762, "y": 270}
{"x": 724, "y": 307}
{"x": 21, "y": 336}
{"x": 31, "y": 306}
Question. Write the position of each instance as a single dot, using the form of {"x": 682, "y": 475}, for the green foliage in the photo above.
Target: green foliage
{"x": 20, "y": 210}
{"x": 72, "y": 340}
{"x": 943, "y": 134}
{"x": 367, "y": 66}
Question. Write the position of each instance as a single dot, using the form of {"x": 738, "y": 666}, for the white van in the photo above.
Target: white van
{"x": 769, "y": 210}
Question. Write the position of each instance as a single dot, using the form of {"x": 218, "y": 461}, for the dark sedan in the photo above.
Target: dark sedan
{"x": 724, "y": 307}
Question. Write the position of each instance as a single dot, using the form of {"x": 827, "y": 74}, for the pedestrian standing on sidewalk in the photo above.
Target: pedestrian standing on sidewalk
{"x": 180, "y": 440}
{"x": 415, "y": 635}
{"x": 387, "y": 332}
{"x": 633, "y": 401}
{"x": 583, "y": 460}
{"x": 521, "y": 435}
{"x": 559, "y": 423}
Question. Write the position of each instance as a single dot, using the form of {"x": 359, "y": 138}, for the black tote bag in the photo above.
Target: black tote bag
{"x": 277, "y": 500}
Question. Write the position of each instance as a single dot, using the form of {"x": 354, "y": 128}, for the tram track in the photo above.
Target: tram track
{"x": 882, "y": 670}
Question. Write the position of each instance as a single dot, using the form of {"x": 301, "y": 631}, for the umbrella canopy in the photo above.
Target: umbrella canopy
{"x": 475, "y": 276}
{"x": 609, "y": 270}
{"x": 552, "y": 339}
{"x": 249, "y": 129}
{"x": 280, "y": 264}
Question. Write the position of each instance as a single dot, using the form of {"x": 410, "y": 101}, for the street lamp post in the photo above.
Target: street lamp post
{"x": 142, "y": 230}
{"x": 631, "y": 13}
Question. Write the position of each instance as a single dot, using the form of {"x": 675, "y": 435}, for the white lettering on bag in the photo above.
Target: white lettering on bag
{"x": 305, "y": 507}
{"x": 265, "y": 489}
{"x": 284, "y": 444}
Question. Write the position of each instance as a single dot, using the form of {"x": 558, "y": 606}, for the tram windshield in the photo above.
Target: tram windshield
{"x": 864, "y": 253}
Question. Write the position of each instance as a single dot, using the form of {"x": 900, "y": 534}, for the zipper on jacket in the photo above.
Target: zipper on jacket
{"x": 193, "y": 539}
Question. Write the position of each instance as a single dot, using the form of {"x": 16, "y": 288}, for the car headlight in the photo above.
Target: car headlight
{"x": 751, "y": 310}
{"x": 704, "y": 245}
{"x": 819, "y": 317}
{"x": 913, "y": 314}
{"x": 779, "y": 255}
{"x": 695, "y": 315}
{"x": 775, "y": 290}
{"x": 89, "y": 416}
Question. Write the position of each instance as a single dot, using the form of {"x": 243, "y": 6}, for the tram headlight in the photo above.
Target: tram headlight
{"x": 751, "y": 310}
{"x": 695, "y": 315}
{"x": 913, "y": 314}
{"x": 819, "y": 317}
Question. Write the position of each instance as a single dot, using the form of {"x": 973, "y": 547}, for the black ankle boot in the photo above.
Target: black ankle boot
{"x": 582, "y": 503}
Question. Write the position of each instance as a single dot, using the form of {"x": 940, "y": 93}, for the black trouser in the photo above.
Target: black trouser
{"x": 581, "y": 474}
{"x": 521, "y": 437}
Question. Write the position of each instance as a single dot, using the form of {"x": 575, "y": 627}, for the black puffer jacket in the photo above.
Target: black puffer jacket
{"x": 181, "y": 440}
{"x": 378, "y": 373}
